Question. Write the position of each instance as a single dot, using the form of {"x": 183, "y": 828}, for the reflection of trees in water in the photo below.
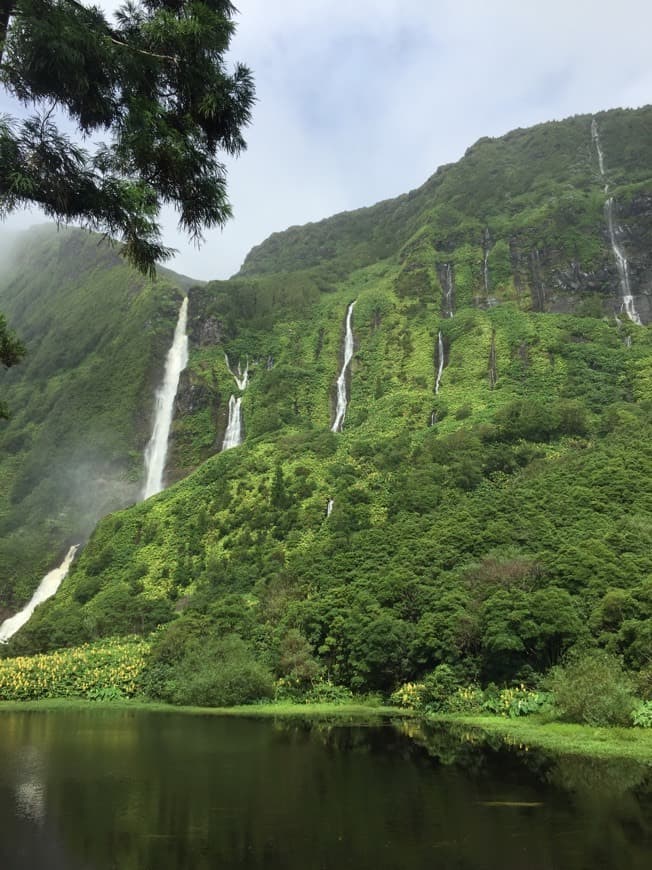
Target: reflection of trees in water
{"x": 174, "y": 792}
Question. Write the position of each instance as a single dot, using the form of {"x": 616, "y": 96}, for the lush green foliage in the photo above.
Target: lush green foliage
{"x": 194, "y": 665}
{"x": 106, "y": 670}
{"x": 80, "y": 402}
{"x": 484, "y": 546}
{"x": 157, "y": 80}
{"x": 593, "y": 689}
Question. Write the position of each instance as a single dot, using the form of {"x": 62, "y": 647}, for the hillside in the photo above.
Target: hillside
{"x": 81, "y": 401}
{"x": 490, "y": 505}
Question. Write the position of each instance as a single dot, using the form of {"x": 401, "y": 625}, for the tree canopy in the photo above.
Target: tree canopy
{"x": 154, "y": 82}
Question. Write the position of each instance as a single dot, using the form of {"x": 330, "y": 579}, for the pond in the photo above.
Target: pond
{"x": 94, "y": 790}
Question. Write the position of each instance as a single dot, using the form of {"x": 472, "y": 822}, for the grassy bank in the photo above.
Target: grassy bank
{"x": 355, "y": 713}
{"x": 561, "y": 737}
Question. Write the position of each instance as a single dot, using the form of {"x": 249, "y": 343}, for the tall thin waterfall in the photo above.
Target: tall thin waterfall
{"x": 440, "y": 360}
{"x": 621, "y": 265}
{"x": 340, "y": 412}
{"x": 595, "y": 136}
{"x": 175, "y": 363}
{"x": 448, "y": 291}
{"x": 233, "y": 434}
{"x": 46, "y": 589}
{"x": 329, "y": 507}
{"x": 628, "y": 305}
{"x": 485, "y": 261}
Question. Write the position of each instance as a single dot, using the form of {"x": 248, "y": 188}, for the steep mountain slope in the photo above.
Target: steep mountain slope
{"x": 489, "y": 489}
{"x": 81, "y": 401}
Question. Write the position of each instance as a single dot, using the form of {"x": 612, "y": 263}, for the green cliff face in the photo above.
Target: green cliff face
{"x": 488, "y": 524}
{"x": 81, "y": 400}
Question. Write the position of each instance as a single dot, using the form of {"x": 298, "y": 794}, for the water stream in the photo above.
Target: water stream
{"x": 448, "y": 304}
{"x": 628, "y": 305}
{"x": 342, "y": 401}
{"x": 440, "y": 360}
{"x": 46, "y": 589}
{"x": 157, "y": 449}
{"x": 233, "y": 436}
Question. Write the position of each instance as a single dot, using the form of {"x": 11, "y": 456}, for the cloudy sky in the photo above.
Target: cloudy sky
{"x": 363, "y": 101}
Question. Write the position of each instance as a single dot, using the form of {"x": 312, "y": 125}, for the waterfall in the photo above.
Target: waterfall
{"x": 440, "y": 360}
{"x": 448, "y": 291}
{"x": 341, "y": 381}
{"x": 628, "y": 305}
{"x": 621, "y": 265}
{"x": 485, "y": 263}
{"x": 175, "y": 363}
{"x": 595, "y": 136}
{"x": 329, "y": 507}
{"x": 241, "y": 378}
{"x": 46, "y": 589}
{"x": 233, "y": 434}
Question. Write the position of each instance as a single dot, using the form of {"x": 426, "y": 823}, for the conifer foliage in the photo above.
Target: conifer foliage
{"x": 154, "y": 83}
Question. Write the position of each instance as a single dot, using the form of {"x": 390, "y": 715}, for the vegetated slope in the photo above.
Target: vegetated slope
{"x": 490, "y": 525}
{"x": 81, "y": 401}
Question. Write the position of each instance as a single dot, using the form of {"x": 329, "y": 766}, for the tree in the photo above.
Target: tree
{"x": 156, "y": 82}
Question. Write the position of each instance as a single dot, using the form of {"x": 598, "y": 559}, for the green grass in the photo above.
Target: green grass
{"x": 354, "y": 713}
{"x": 560, "y": 737}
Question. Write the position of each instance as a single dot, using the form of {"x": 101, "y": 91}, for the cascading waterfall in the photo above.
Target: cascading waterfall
{"x": 628, "y": 305}
{"x": 241, "y": 378}
{"x": 621, "y": 265}
{"x": 340, "y": 412}
{"x": 233, "y": 434}
{"x": 440, "y": 360}
{"x": 175, "y": 363}
{"x": 46, "y": 589}
{"x": 329, "y": 507}
{"x": 448, "y": 291}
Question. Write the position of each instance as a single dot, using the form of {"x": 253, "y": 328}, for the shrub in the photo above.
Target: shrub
{"x": 408, "y": 696}
{"x": 325, "y": 692}
{"x": 642, "y": 715}
{"x": 218, "y": 672}
{"x": 593, "y": 689}
{"x": 516, "y": 701}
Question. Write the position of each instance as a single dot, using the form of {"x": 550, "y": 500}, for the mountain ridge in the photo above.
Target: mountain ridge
{"x": 488, "y": 514}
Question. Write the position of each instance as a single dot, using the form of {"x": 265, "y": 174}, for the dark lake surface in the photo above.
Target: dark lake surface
{"x": 165, "y": 791}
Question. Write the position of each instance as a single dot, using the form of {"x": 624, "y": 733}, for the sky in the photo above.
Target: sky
{"x": 359, "y": 102}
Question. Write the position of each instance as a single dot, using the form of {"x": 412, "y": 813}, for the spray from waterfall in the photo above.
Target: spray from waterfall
{"x": 628, "y": 305}
{"x": 340, "y": 412}
{"x": 175, "y": 363}
{"x": 46, "y": 589}
{"x": 440, "y": 360}
{"x": 233, "y": 436}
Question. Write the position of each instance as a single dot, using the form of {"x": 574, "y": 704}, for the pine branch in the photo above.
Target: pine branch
{"x": 116, "y": 41}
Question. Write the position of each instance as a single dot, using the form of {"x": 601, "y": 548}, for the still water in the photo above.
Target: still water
{"x": 158, "y": 791}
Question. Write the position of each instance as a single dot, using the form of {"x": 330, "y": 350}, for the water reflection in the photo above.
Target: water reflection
{"x": 132, "y": 790}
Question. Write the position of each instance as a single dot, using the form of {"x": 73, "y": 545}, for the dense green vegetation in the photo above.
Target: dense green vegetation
{"x": 514, "y": 530}
{"x": 80, "y": 402}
